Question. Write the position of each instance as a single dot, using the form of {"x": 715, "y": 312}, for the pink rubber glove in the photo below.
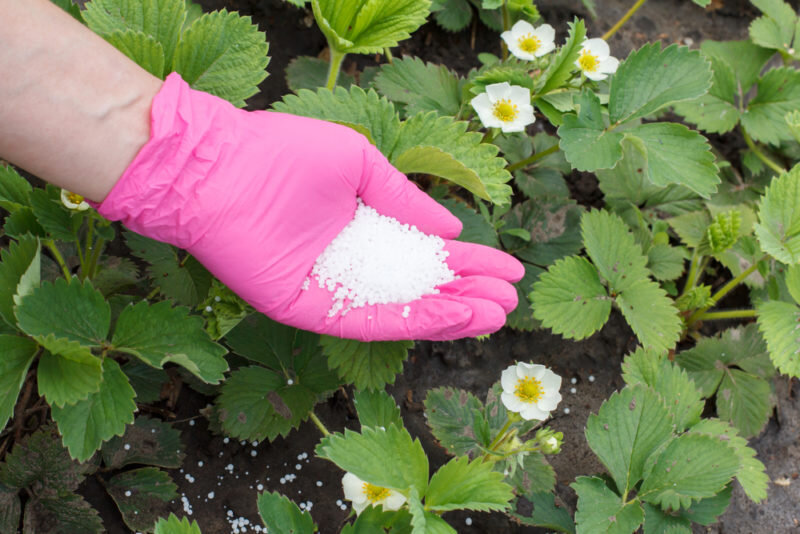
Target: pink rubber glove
{"x": 257, "y": 196}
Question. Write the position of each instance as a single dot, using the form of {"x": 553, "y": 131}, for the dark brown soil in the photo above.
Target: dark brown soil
{"x": 469, "y": 364}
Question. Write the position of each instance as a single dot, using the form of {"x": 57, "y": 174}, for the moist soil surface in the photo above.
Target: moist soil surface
{"x": 220, "y": 481}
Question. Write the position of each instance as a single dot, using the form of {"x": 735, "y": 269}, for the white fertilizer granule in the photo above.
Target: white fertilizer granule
{"x": 377, "y": 260}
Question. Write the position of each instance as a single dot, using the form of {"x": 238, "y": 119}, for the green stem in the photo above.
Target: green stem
{"x": 500, "y": 435}
{"x": 634, "y": 8}
{"x": 335, "y": 65}
{"x": 81, "y": 259}
{"x": 531, "y": 159}
{"x": 98, "y": 249}
{"x": 319, "y": 424}
{"x": 760, "y": 155}
{"x": 388, "y": 53}
{"x": 506, "y": 27}
{"x": 691, "y": 278}
{"x": 58, "y": 257}
{"x": 152, "y": 294}
{"x": 87, "y": 254}
{"x": 489, "y": 136}
{"x": 724, "y": 290}
{"x": 728, "y": 314}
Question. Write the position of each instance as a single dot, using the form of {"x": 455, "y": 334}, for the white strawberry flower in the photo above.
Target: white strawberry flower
{"x": 363, "y": 494}
{"x": 595, "y": 59}
{"x": 504, "y": 106}
{"x": 526, "y": 42}
{"x": 73, "y": 201}
{"x": 530, "y": 390}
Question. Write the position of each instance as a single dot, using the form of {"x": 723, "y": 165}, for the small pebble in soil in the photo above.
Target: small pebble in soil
{"x": 573, "y": 380}
{"x": 191, "y": 422}
{"x": 226, "y": 441}
{"x": 127, "y": 446}
{"x": 217, "y": 299}
{"x": 573, "y": 390}
{"x": 229, "y": 468}
{"x": 343, "y": 507}
{"x": 298, "y": 467}
{"x": 338, "y": 502}
{"x": 319, "y": 483}
{"x": 254, "y": 453}
{"x": 187, "y": 507}
{"x": 289, "y": 382}
{"x": 260, "y": 487}
{"x": 190, "y": 478}
{"x": 200, "y": 463}
{"x": 591, "y": 378}
{"x": 468, "y": 521}
{"x": 209, "y": 309}
{"x": 210, "y": 494}
{"x": 254, "y": 443}
{"x": 566, "y": 411}
{"x": 128, "y": 493}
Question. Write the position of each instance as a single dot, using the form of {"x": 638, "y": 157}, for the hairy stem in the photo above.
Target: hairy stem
{"x": 334, "y": 68}
{"x": 760, "y": 155}
{"x": 506, "y": 27}
{"x": 727, "y": 314}
{"x": 50, "y": 244}
{"x": 634, "y": 8}
{"x": 85, "y": 270}
{"x": 532, "y": 158}
{"x": 319, "y": 424}
{"x": 388, "y": 53}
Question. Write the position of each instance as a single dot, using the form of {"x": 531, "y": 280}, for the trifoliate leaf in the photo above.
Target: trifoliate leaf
{"x": 521, "y": 318}
{"x": 462, "y": 484}
{"x": 651, "y": 79}
{"x": 146, "y": 381}
{"x": 159, "y": 334}
{"x": 778, "y": 229}
{"x": 367, "y": 365}
{"x": 376, "y": 409}
{"x": 691, "y": 467}
{"x": 17, "y": 356}
{"x": 40, "y": 459}
{"x": 585, "y": 142}
{"x": 778, "y": 322}
{"x": 666, "y": 262}
{"x": 651, "y": 315}
{"x": 563, "y": 63}
{"x": 147, "y": 441}
{"x": 10, "y": 509}
{"x": 306, "y": 72}
{"x": 629, "y": 181}
{"x": 723, "y": 232}
{"x": 67, "y": 309}
{"x": 570, "y": 300}
{"x": 751, "y": 474}
{"x": 553, "y": 226}
{"x": 744, "y": 399}
{"x": 546, "y": 513}
{"x": 281, "y": 516}
{"x": 778, "y": 94}
{"x": 14, "y": 189}
{"x": 367, "y": 27}
{"x": 143, "y": 49}
{"x": 695, "y": 169}
{"x": 680, "y": 395}
{"x": 363, "y": 111}
{"x": 534, "y": 476}
{"x": 181, "y": 279}
{"x": 453, "y": 415}
{"x": 776, "y": 29}
{"x": 658, "y": 522}
{"x": 423, "y": 521}
{"x": 67, "y": 380}
{"x": 21, "y": 222}
{"x": 476, "y": 229}
{"x": 600, "y": 510}
{"x": 613, "y": 250}
{"x": 66, "y": 509}
{"x": 707, "y": 511}
{"x": 747, "y": 58}
{"x": 792, "y": 280}
{"x": 432, "y": 144}
{"x": 512, "y": 71}
{"x": 85, "y": 425}
{"x": 629, "y": 426}
{"x": 223, "y": 54}
{"x": 373, "y": 519}
{"x": 173, "y": 525}
{"x": 114, "y": 274}
{"x": 142, "y": 496}
{"x": 53, "y": 216}
{"x": 365, "y": 455}
{"x": 452, "y": 15}
{"x": 159, "y": 19}
{"x": 223, "y": 310}
{"x": 420, "y": 86}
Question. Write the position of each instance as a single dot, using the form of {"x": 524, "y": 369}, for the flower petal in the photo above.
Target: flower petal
{"x": 512, "y": 403}
{"x": 533, "y": 370}
{"x": 546, "y": 48}
{"x": 596, "y": 76}
{"x": 608, "y": 65}
{"x": 533, "y": 412}
{"x": 545, "y": 33}
{"x": 498, "y": 91}
{"x": 549, "y": 402}
{"x": 519, "y": 53}
{"x": 550, "y": 381}
{"x": 598, "y": 47}
{"x": 522, "y": 27}
{"x": 520, "y": 95}
{"x": 353, "y": 488}
{"x": 359, "y": 507}
{"x": 394, "y": 501}
{"x": 483, "y": 107}
{"x": 508, "y": 378}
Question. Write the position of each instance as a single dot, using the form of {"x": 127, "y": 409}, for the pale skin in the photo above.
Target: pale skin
{"x": 74, "y": 110}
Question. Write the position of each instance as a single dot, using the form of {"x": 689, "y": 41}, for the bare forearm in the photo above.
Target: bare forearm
{"x": 73, "y": 109}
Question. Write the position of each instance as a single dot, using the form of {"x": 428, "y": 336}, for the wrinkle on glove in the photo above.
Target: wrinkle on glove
{"x": 257, "y": 196}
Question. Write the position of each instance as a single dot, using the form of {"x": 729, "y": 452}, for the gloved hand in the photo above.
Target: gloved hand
{"x": 257, "y": 196}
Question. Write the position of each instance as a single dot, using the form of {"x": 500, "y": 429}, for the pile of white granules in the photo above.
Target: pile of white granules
{"x": 377, "y": 260}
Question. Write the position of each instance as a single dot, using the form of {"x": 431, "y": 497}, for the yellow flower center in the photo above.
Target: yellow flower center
{"x": 529, "y": 43}
{"x": 588, "y": 61}
{"x": 505, "y": 110}
{"x": 75, "y": 198}
{"x": 375, "y": 493}
{"x": 529, "y": 389}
